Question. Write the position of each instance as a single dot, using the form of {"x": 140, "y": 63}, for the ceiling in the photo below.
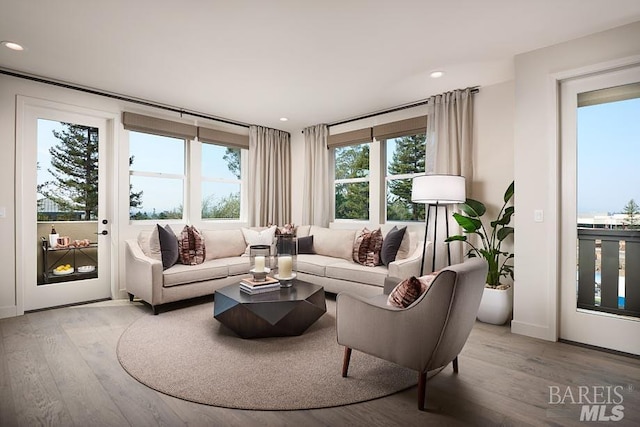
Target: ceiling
{"x": 322, "y": 61}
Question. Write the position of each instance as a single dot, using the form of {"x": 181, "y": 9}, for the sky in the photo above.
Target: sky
{"x": 608, "y": 156}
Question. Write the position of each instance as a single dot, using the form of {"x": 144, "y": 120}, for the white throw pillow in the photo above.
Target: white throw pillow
{"x": 263, "y": 237}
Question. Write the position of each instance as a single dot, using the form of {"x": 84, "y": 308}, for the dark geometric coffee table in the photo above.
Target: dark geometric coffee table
{"x": 287, "y": 312}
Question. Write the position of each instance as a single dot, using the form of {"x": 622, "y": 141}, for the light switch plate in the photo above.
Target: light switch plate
{"x": 538, "y": 215}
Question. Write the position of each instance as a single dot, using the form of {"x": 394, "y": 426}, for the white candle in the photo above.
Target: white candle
{"x": 259, "y": 263}
{"x": 285, "y": 266}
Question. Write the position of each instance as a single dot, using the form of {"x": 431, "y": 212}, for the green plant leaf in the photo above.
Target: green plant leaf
{"x": 510, "y": 191}
{"x": 473, "y": 208}
{"x": 506, "y": 217}
{"x": 469, "y": 225}
{"x": 456, "y": 238}
{"x": 504, "y": 232}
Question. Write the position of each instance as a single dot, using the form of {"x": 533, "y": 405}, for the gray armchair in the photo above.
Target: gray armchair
{"x": 425, "y": 336}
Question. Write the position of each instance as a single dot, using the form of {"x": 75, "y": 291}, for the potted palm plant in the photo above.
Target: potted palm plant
{"x": 497, "y": 299}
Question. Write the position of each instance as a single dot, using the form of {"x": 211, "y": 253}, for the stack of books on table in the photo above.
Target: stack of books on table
{"x": 251, "y": 287}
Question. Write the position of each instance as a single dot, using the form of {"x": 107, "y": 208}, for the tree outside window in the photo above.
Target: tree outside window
{"x": 405, "y": 160}
{"x": 352, "y": 182}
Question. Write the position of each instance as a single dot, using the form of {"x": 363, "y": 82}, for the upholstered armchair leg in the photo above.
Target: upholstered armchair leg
{"x": 130, "y": 297}
{"x": 345, "y": 361}
{"x": 422, "y": 387}
{"x": 455, "y": 365}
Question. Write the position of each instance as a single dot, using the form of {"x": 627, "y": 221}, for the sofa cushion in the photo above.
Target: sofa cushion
{"x": 408, "y": 245}
{"x": 303, "y": 230}
{"x": 150, "y": 243}
{"x": 192, "y": 246}
{"x": 333, "y": 243}
{"x": 169, "y": 248}
{"x": 181, "y": 274}
{"x": 223, "y": 243}
{"x": 353, "y": 272}
{"x": 314, "y": 264}
{"x": 391, "y": 244}
{"x": 237, "y": 265}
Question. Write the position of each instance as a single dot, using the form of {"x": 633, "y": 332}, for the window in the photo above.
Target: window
{"x": 221, "y": 182}
{"x": 352, "y": 182}
{"x": 156, "y": 176}
{"x": 405, "y": 159}
{"x": 374, "y": 170}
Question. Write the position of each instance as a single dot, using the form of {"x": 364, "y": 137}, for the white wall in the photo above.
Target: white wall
{"x": 537, "y": 168}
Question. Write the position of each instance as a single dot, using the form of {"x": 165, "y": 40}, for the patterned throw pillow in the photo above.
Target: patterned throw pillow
{"x": 192, "y": 250}
{"x": 361, "y": 246}
{"x": 406, "y": 292}
{"x": 375, "y": 246}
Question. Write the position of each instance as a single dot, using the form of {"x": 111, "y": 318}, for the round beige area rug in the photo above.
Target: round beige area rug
{"x": 188, "y": 354}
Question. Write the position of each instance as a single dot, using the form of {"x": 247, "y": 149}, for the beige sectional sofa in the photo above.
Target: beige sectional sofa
{"x": 226, "y": 263}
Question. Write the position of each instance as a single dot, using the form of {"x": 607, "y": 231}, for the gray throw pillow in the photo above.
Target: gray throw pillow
{"x": 305, "y": 245}
{"x": 391, "y": 244}
{"x": 168, "y": 246}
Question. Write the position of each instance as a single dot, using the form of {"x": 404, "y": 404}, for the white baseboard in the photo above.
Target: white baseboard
{"x": 8, "y": 311}
{"x": 534, "y": 331}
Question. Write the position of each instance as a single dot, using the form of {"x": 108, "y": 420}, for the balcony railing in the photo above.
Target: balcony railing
{"x": 606, "y": 259}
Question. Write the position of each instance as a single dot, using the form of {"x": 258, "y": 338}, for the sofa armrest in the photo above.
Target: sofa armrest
{"x": 405, "y": 268}
{"x": 143, "y": 274}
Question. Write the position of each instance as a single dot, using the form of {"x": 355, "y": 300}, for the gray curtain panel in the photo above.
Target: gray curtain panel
{"x": 316, "y": 203}
{"x": 269, "y": 176}
{"x": 449, "y": 148}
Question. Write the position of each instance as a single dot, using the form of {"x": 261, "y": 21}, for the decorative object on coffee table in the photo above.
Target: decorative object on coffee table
{"x": 287, "y": 254}
{"x": 260, "y": 261}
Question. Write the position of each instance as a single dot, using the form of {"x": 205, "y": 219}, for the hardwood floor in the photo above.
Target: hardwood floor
{"x": 59, "y": 367}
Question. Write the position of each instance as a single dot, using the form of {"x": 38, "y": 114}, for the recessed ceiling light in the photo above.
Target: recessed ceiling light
{"x": 283, "y": 119}
{"x": 436, "y": 74}
{"x": 12, "y": 45}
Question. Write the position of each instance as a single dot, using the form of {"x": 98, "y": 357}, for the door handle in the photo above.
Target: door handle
{"x": 103, "y": 232}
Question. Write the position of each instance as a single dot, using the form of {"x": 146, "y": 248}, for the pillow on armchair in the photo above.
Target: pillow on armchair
{"x": 408, "y": 291}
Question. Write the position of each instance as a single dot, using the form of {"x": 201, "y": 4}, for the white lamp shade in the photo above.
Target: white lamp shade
{"x": 441, "y": 189}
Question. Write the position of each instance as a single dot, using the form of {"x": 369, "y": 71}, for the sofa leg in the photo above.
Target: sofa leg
{"x": 155, "y": 310}
{"x": 422, "y": 388}
{"x": 130, "y": 297}
{"x": 455, "y": 365}
{"x": 345, "y": 362}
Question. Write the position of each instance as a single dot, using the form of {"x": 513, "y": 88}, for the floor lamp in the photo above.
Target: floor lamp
{"x": 435, "y": 191}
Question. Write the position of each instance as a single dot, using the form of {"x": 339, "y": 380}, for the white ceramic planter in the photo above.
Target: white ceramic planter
{"x": 496, "y": 306}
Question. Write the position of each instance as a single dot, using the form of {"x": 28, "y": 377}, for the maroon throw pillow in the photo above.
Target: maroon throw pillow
{"x": 406, "y": 292}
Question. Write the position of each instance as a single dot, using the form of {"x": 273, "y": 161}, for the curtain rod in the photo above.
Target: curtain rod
{"x": 119, "y": 97}
{"x": 474, "y": 89}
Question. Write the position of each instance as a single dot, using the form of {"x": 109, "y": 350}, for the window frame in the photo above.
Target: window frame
{"x": 163, "y": 175}
{"x": 242, "y": 181}
{"x": 388, "y": 178}
{"x": 336, "y": 182}
{"x": 378, "y": 177}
